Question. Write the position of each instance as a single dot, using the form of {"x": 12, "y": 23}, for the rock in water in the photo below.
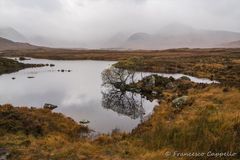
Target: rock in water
{"x": 30, "y": 77}
{"x": 23, "y": 58}
{"x": 185, "y": 78}
{"x": 84, "y": 121}
{"x": 49, "y": 106}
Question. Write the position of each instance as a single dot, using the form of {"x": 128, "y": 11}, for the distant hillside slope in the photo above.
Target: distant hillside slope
{"x": 234, "y": 44}
{"x": 180, "y": 36}
{"x": 6, "y": 44}
{"x": 12, "y": 34}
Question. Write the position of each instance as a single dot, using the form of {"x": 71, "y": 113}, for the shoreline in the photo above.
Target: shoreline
{"x": 209, "y": 120}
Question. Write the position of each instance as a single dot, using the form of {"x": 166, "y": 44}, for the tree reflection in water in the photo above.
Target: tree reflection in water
{"x": 117, "y": 98}
{"x": 125, "y": 103}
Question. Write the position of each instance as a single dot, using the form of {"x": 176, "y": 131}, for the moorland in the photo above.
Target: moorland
{"x": 190, "y": 117}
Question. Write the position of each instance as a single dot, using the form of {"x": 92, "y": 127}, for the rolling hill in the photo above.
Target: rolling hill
{"x": 6, "y": 44}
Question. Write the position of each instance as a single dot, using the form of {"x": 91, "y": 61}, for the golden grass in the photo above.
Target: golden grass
{"x": 206, "y": 125}
{"x": 210, "y": 123}
{"x": 236, "y": 61}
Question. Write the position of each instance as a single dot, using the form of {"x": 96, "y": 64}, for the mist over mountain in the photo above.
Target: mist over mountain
{"x": 6, "y": 44}
{"x": 174, "y": 35}
{"x": 121, "y": 23}
{"x": 55, "y": 42}
{"x": 180, "y": 36}
{"x": 234, "y": 44}
{"x": 115, "y": 41}
{"x": 12, "y": 34}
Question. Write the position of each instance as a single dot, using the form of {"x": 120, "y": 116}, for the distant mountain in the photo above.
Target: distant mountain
{"x": 139, "y": 37}
{"x": 180, "y": 36}
{"x": 234, "y": 44}
{"x": 6, "y": 44}
{"x": 12, "y": 34}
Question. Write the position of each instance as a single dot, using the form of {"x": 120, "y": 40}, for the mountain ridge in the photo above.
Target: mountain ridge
{"x": 180, "y": 36}
{"x": 6, "y": 44}
{"x": 12, "y": 34}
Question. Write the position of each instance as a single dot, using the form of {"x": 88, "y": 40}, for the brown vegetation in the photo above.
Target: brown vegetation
{"x": 73, "y": 54}
{"x": 221, "y": 65}
{"x": 210, "y": 121}
{"x": 218, "y": 64}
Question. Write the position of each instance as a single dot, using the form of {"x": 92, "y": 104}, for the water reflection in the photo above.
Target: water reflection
{"x": 116, "y": 96}
{"x": 123, "y": 98}
{"x": 125, "y": 103}
{"x": 78, "y": 93}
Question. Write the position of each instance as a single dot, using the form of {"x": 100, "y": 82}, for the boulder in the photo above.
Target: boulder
{"x": 23, "y": 58}
{"x": 180, "y": 102}
{"x": 185, "y": 78}
{"x": 49, "y": 106}
{"x": 4, "y": 153}
{"x": 171, "y": 78}
{"x": 170, "y": 85}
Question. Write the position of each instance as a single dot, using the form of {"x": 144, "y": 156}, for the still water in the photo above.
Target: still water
{"x": 78, "y": 94}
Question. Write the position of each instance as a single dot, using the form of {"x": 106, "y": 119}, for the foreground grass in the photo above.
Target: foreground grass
{"x": 210, "y": 123}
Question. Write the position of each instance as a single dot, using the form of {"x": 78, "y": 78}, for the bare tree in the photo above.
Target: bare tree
{"x": 117, "y": 77}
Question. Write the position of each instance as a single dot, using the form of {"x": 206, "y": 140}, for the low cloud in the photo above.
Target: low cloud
{"x": 88, "y": 23}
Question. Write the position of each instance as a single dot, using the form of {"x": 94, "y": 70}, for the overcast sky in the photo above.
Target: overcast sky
{"x": 88, "y": 21}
